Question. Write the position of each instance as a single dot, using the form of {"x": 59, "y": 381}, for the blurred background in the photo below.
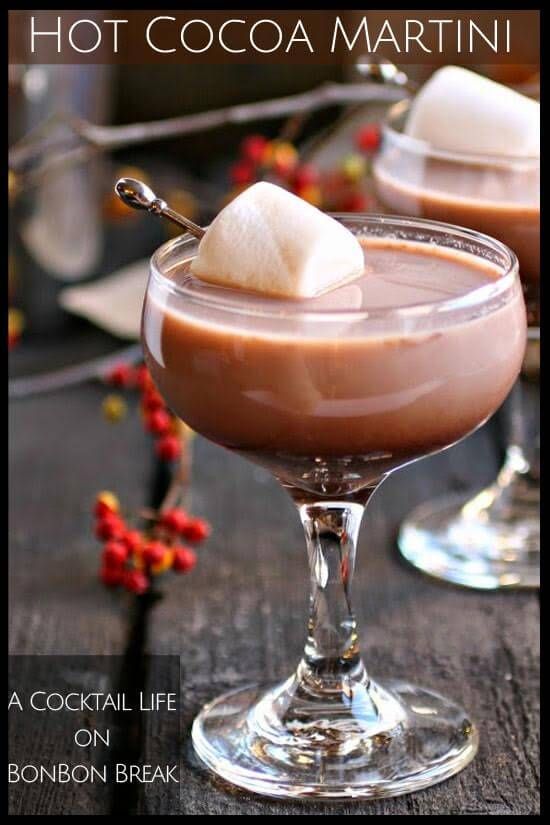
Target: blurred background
{"x": 78, "y": 257}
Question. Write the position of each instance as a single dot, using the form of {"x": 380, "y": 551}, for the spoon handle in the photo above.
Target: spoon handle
{"x": 180, "y": 220}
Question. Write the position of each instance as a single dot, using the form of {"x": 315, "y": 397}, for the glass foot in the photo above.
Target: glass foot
{"x": 490, "y": 542}
{"x": 372, "y": 742}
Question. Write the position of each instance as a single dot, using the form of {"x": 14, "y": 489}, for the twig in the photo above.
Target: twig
{"x": 69, "y": 376}
{"x": 178, "y": 490}
{"x": 106, "y": 138}
{"x": 111, "y": 137}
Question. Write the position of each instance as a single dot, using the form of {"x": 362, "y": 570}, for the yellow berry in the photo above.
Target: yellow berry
{"x": 280, "y": 155}
{"x": 109, "y": 499}
{"x": 163, "y": 565}
{"x": 16, "y": 321}
{"x": 267, "y": 154}
{"x": 312, "y": 194}
{"x": 114, "y": 408}
{"x": 354, "y": 167}
{"x": 285, "y": 157}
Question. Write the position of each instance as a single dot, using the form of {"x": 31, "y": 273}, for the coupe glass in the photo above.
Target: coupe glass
{"x": 291, "y": 389}
{"x": 492, "y": 539}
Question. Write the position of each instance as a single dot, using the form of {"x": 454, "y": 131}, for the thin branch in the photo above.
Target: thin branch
{"x": 105, "y": 138}
{"x": 69, "y": 376}
{"x": 178, "y": 492}
{"x": 329, "y": 94}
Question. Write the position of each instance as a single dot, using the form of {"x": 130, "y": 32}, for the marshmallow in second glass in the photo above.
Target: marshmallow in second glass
{"x": 460, "y": 111}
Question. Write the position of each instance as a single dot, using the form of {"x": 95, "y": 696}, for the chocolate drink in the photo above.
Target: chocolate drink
{"x": 331, "y": 401}
{"x": 501, "y": 200}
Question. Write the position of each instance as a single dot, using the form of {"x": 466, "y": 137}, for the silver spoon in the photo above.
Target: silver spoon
{"x": 383, "y": 71}
{"x": 137, "y": 195}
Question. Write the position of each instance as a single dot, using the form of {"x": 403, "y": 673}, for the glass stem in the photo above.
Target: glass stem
{"x": 332, "y": 659}
{"x": 522, "y": 427}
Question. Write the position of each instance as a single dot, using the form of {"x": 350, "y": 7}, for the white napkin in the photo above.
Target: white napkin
{"x": 114, "y": 303}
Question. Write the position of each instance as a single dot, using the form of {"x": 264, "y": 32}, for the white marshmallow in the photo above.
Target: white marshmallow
{"x": 460, "y": 111}
{"x": 267, "y": 240}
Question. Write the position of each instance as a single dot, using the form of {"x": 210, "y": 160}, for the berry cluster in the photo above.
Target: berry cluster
{"x": 341, "y": 188}
{"x": 131, "y": 557}
{"x": 260, "y": 157}
{"x": 157, "y": 419}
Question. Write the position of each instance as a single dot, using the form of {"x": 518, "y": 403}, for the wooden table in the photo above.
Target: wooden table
{"x": 240, "y": 615}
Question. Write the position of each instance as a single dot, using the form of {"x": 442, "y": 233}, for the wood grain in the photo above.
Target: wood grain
{"x": 240, "y": 615}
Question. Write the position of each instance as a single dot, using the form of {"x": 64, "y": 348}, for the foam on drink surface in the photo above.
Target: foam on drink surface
{"x": 396, "y": 274}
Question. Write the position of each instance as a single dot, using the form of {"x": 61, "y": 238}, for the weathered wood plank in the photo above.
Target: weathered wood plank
{"x": 240, "y": 615}
{"x": 62, "y": 451}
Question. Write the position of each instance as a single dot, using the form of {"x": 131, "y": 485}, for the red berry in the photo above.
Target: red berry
{"x": 114, "y": 554}
{"x": 253, "y": 148}
{"x": 196, "y": 529}
{"x": 133, "y": 540}
{"x": 305, "y": 175}
{"x": 106, "y": 502}
{"x": 184, "y": 559}
{"x": 175, "y": 520}
{"x": 158, "y": 422}
{"x": 109, "y": 526}
{"x": 143, "y": 377}
{"x": 135, "y": 581}
{"x": 282, "y": 158}
{"x": 168, "y": 447}
{"x": 122, "y": 375}
{"x": 102, "y": 508}
{"x": 355, "y": 202}
{"x": 312, "y": 194}
{"x": 241, "y": 172}
{"x": 112, "y": 576}
{"x": 152, "y": 400}
{"x": 368, "y": 137}
{"x": 153, "y": 552}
